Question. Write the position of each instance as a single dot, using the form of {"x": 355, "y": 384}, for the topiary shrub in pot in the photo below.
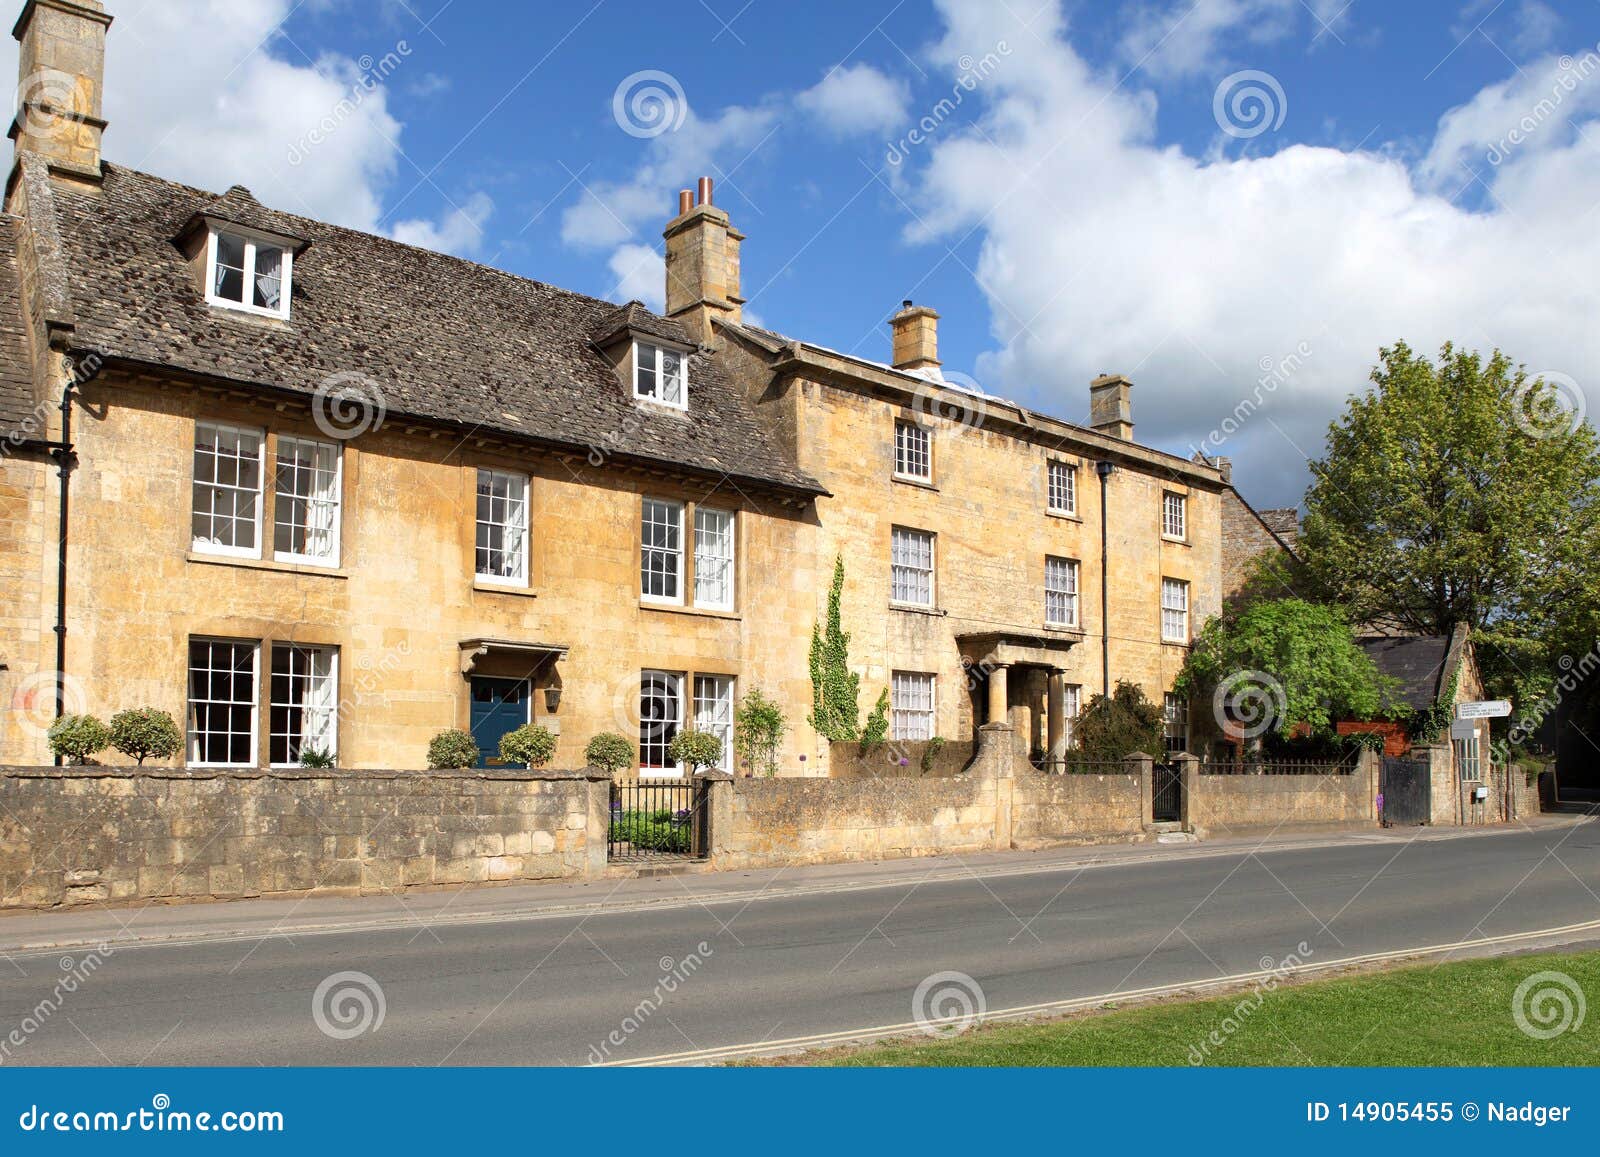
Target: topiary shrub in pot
{"x": 76, "y": 737}
{"x": 695, "y": 749}
{"x": 146, "y": 733}
{"x": 452, "y": 751}
{"x": 529, "y": 744}
{"x": 609, "y": 752}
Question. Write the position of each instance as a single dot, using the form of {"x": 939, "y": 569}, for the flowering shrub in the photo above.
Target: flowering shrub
{"x": 452, "y": 750}
{"x": 76, "y": 737}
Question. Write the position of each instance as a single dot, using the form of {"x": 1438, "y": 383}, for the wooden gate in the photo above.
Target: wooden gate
{"x": 1406, "y": 788}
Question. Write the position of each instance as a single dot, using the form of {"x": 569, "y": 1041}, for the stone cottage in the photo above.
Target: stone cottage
{"x": 314, "y": 490}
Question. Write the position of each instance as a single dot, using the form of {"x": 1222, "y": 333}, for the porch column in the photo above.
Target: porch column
{"x": 1056, "y": 698}
{"x": 999, "y": 701}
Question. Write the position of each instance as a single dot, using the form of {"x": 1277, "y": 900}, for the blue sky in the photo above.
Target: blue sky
{"x": 1085, "y": 208}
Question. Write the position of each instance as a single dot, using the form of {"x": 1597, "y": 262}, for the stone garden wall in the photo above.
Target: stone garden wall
{"x": 94, "y": 834}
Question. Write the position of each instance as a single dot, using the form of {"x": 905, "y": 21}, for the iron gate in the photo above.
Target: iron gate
{"x": 656, "y": 819}
{"x": 1166, "y": 794}
{"x": 1405, "y": 787}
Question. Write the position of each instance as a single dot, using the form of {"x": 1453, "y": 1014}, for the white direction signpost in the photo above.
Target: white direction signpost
{"x": 1483, "y": 709}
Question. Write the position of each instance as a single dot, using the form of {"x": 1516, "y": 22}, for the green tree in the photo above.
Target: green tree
{"x": 1110, "y": 728}
{"x": 529, "y": 744}
{"x": 1460, "y": 491}
{"x": 696, "y": 749}
{"x": 609, "y": 752}
{"x": 452, "y": 750}
{"x": 1279, "y": 664}
{"x": 76, "y": 737}
{"x": 758, "y": 727}
{"x": 146, "y": 733}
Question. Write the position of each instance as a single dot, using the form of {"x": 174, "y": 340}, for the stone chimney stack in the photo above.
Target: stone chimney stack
{"x": 916, "y": 337}
{"x": 1110, "y": 411}
{"x": 60, "y": 77}
{"x": 702, "y": 263}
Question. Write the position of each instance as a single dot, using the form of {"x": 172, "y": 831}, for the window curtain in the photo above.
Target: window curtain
{"x": 319, "y": 709}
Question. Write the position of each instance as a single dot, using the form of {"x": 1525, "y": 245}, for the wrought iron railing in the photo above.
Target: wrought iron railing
{"x": 1278, "y": 767}
{"x": 651, "y": 819}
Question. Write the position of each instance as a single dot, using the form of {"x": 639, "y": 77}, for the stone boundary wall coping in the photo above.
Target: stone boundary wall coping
{"x": 97, "y": 771}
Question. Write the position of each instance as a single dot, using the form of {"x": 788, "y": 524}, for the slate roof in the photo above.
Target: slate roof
{"x": 443, "y": 338}
{"x": 1417, "y": 663}
{"x": 16, "y": 382}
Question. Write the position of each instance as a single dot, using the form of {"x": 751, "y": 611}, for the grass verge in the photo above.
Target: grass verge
{"x": 1459, "y": 1013}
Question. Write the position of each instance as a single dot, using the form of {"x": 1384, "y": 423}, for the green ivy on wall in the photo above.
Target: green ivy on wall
{"x": 835, "y": 713}
{"x": 1429, "y": 724}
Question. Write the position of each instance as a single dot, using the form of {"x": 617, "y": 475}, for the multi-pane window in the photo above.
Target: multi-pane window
{"x": 713, "y": 559}
{"x": 222, "y": 702}
{"x": 1072, "y": 704}
{"x": 660, "y": 374}
{"x": 226, "y": 507}
{"x": 1468, "y": 765}
{"x": 502, "y": 541}
{"x": 660, "y": 718}
{"x": 661, "y": 550}
{"x": 1063, "y": 486}
{"x": 1175, "y": 724}
{"x": 247, "y": 274}
{"x": 1174, "y": 611}
{"x": 304, "y": 705}
{"x": 1174, "y": 515}
{"x": 911, "y": 567}
{"x": 1061, "y": 592}
{"x": 306, "y": 510}
{"x": 713, "y": 712}
{"x": 910, "y": 705}
{"x": 913, "y": 451}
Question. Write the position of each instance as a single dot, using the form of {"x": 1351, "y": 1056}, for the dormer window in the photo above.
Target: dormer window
{"x": 248, "y": 273}
{"x": 660, "y": 375}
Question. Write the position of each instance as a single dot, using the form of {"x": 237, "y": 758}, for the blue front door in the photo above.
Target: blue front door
{"x": 498, "y": 706}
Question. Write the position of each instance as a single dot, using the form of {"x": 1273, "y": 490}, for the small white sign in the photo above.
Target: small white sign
{"x": 1483, "y": 709}
{"x": 1463, "y": 729}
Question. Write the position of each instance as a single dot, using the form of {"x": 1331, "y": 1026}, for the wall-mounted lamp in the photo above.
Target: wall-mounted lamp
{"x": 552, "y": 699}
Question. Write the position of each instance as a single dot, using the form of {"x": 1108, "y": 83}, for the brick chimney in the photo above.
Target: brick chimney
{"x": 916, "y": 337}
{"x": 1110, "y": 411}
{"x": 702, "y": 263}
{"x": 60, "y": 76}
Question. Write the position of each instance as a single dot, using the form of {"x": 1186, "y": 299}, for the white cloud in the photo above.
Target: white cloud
{"x": 627, "y": 216}
{"x": 608, "y": 213}
{"x": 641, "y": 274}
{"x": 1188, "y": 273}
{"x": 1186, "y": 37}
{"x": 1534, "y": 111}
{"x": 205, "y": 93}
{"x": 459, "y": 231}
{"x": 857, "y": 99}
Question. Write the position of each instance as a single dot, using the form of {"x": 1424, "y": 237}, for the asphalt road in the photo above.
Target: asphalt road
{"x": 566, "y": 989}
